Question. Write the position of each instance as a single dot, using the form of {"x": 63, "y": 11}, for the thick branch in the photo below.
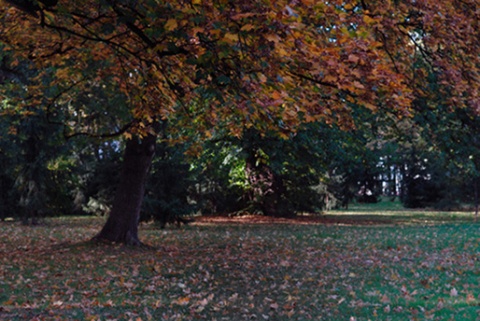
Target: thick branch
{"x": 116, "y": 133}
{"x": 311, "y": 79}
{"x": 32, "y": 7}
{"x": 320, "y": 82}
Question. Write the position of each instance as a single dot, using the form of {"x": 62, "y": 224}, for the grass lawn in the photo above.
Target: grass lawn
{"x": 400, "y": 266}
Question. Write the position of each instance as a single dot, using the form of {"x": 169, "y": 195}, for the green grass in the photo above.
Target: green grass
{"x": 396, "y": 270}
{"x": 393, "y": 212}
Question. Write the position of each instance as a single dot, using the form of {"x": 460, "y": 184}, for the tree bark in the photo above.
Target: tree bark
{"x": 122, "y": 223}
{"x": 267, "y": 188}
{"x": 476, "y": 198}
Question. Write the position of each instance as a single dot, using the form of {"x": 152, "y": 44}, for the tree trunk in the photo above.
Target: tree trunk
{"x": 122, "y": 223}
{"x": 267, "y": 188}
{"x": 476, "y": 198}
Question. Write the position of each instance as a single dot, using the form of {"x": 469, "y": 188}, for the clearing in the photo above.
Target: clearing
{"x": 342, "y": 266}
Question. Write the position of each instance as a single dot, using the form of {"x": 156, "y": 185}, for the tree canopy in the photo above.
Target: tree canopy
{"x": 265, "y": 64}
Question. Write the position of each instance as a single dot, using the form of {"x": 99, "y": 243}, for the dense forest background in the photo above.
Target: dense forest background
{"x": 274, "y": 108}
{"x": 430, "y": 160}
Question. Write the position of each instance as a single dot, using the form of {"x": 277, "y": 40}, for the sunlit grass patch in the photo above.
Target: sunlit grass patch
{"x": 393, "y": 212}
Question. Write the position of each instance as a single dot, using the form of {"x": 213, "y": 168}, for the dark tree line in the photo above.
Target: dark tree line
{"x": 317, "y": 168}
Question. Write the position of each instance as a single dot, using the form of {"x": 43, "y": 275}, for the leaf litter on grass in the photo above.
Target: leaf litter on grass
{"x": 242, "y": 272}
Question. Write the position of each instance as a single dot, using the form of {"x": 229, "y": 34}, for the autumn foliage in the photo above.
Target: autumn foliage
{"x": 263, "y": 64}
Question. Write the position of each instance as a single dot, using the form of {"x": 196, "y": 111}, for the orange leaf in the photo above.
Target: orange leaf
{"x": 247, "y": 27}
{"x": 171, "y": 24}
{"x": 182, "y": 301}
{"x": 230, "y": 37}
{"x": 353, "y": 58}
{"x": 358, "y": 85}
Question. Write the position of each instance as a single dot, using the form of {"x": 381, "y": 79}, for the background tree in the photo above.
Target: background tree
{"x": 8, "y": 195}
{"x": 266, "y": 174}
{"x": 170, "y": 185}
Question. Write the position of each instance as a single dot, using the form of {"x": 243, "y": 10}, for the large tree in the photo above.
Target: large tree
{"x": 268, "y": 65}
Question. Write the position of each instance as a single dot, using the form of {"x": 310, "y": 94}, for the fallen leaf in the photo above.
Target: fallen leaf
{"x": 453, "y": 292}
